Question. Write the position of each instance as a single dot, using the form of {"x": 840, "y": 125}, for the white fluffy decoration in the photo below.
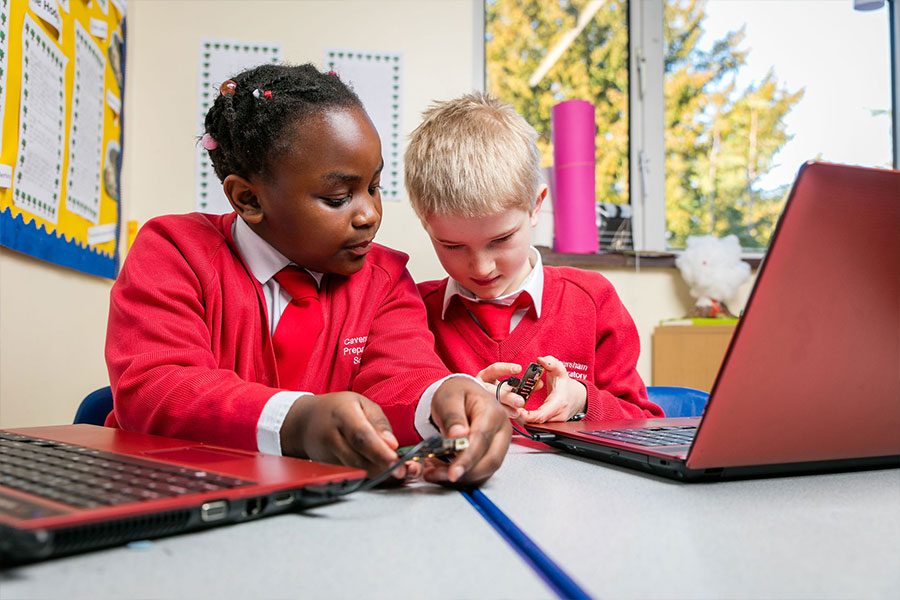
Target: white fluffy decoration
{"x": 713, "y": 268}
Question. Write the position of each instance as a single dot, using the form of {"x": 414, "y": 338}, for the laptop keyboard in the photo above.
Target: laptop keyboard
{"x": 650, "y": 436}
{"x": 89, "y": 478}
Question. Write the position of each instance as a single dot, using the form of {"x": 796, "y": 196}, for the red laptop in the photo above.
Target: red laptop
{"x": 69, "y": 488}
{"x": 811, "y": 380}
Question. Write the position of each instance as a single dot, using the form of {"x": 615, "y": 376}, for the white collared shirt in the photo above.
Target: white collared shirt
{"x": 264, "y": 262}
{"x": 533, "y": 284}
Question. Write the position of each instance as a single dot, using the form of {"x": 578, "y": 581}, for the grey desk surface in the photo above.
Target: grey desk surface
{"x": 618, "y": 533}
{"x": 418, "y": 542}
{"x": 622, "y": 534}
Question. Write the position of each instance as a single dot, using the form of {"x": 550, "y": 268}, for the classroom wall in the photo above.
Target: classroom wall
{"x": 52, "y": 328}
{"x": 52, "y": 320}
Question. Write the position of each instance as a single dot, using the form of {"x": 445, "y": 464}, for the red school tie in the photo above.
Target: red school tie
{"x": 495, "y": 318}
{"x": 299, "y": 325}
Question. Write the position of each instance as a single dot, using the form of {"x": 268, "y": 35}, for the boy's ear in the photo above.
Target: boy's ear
{"x": 541, "y": 195}
{"x": 242, "y": 196}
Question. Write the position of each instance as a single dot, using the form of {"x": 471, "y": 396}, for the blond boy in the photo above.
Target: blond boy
{"x": 473, "y": 177}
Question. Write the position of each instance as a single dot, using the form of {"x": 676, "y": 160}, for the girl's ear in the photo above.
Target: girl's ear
{"x": 242, "y": 196}
{"x": 541, "y": 195}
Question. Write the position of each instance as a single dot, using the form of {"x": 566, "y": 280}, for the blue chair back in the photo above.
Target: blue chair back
{"x": 95, "y": 407}
{"x": 678, "y": 401}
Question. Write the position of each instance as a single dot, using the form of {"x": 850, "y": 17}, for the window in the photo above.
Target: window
{"x": 754, "y": 89}
{"x": 727, "y": 99}
{"x": 539, "y": 53}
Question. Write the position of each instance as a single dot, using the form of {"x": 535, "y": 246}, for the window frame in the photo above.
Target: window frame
{"x": 646, "y": 136}
{"x": 647, "y": 158}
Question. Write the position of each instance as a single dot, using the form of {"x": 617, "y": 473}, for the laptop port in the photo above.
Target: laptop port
{"x": 254, "y": 506}
{"x": 214, "y": 511}
{"x": 283, "y": 498}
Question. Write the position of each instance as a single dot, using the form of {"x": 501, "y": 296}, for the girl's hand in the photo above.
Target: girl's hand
{"x": 461, "y": 407}
{"x": 343, "y": 428}
{"x": 566, "y": 397}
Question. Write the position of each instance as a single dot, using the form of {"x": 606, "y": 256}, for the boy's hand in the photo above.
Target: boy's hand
{"x": 343, "y": 428}
{"x": 461, "y": 407}
{"x": 566, "y": 397}
{"x": 491, "y": 375}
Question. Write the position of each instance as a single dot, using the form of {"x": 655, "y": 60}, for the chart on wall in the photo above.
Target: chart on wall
{"x": 219, "y": 61}
{"x": 61, "y": 89}
{"x": 377, "y": 78}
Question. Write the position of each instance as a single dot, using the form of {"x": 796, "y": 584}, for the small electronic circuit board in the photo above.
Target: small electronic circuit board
{"x": 434, "y": 447}
{"x": 525, "y": 385}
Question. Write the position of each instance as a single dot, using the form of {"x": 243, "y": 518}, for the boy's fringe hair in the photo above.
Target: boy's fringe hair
{"x": 472, "y": 156}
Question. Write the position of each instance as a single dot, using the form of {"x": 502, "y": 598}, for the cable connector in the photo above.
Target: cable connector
{"x": 544, "y": 438}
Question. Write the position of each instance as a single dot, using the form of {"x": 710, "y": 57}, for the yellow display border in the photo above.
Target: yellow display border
{"x": 65, "y": 242}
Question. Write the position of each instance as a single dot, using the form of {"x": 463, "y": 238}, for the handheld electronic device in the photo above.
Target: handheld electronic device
{"x": 434, "y": 447}
{"x": 529, "y": 379}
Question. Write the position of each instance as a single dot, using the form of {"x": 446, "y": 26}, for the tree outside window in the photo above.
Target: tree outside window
{"x": 722, "y": 132}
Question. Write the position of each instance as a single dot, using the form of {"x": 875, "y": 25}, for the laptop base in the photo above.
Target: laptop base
{"x": 22, "y": 546}
{"x": 677, "y": 470}
{"x": 71, "y": 488}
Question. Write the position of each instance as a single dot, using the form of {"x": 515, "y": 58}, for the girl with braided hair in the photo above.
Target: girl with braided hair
{"x": 283, "y": 327}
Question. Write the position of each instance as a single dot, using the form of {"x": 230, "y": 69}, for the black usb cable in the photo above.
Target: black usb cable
{"x": 537, "y": 437}
{"x": 435, "y": 446}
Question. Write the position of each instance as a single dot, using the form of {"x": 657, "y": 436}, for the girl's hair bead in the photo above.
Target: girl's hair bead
{"x": 228, "y": 88}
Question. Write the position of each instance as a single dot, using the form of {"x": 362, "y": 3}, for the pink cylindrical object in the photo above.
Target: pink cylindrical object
{"x": 574, "y": 202}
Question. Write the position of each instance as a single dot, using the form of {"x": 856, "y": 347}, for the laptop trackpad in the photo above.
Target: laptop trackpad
{"x": 197, "y": 456}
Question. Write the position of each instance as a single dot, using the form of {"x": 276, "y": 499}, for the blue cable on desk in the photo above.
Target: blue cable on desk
{"x": 549, "y": 571}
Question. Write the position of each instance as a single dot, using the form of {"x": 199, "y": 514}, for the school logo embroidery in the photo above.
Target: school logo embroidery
{"x": 353, "y": 347}
{"x": 576, "y": 370}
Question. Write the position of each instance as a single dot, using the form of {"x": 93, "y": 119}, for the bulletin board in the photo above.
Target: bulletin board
{"x": 61, "y": 88}
{"x": 220, "y": 60}
{"x": 376, "y": 77}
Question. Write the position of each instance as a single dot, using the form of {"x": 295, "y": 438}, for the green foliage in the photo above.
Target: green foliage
{"x": 719, "y": 141}
{"x": 594, "y": 67}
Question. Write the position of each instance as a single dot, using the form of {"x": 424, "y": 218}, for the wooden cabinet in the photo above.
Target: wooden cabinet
{"x": 689, "y": 355}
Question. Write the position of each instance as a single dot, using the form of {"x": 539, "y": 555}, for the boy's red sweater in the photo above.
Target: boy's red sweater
{"x": 189, "y": 351}
{"x": 583, "y": 323}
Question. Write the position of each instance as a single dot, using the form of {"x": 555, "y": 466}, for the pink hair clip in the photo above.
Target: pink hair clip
{"x": 332, "y": 73}
{"x": 208, "y": 142}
